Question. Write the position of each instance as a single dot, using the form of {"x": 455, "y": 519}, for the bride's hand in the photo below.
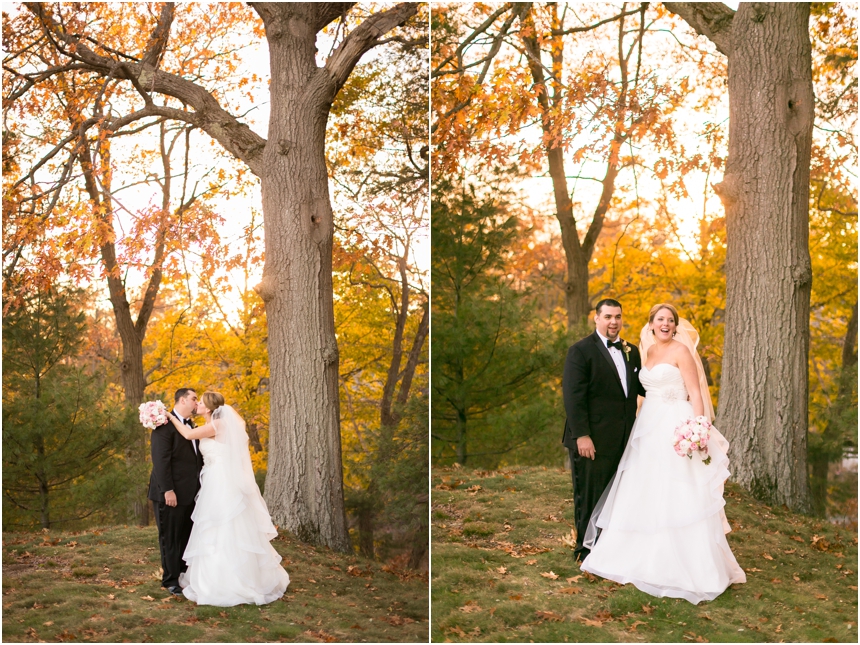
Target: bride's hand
{"x": 181, "y": 428}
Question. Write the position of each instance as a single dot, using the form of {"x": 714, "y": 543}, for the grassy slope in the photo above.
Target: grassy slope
{"x": 801, "y": 573}
{"x": 104, "y": 585}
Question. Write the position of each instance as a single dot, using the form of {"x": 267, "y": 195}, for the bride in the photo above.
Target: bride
{"x": 660, "y": 523}
{"x": 230, "y": 560}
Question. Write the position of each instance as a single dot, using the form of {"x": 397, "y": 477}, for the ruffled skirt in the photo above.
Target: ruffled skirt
{"x": 662, "y": 520}
{"x": 229, "y": 557}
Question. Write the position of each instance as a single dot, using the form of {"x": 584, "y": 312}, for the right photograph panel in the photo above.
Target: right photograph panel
{"x": 644, "y": 322}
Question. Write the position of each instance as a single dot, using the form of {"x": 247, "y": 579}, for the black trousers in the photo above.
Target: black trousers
{"x": 590, "y": 478}
{"x": 174, "y": 529}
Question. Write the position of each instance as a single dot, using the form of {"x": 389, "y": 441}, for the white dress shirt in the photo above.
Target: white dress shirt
{"x": 193, "y": 442}
{"x": 618, "y": 357}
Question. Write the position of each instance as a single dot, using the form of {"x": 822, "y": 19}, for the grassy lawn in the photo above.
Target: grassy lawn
{"x": 104, "y": 586}
{"x": 502, "y": 572}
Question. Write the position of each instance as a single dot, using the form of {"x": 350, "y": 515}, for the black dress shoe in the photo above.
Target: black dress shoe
{"x": 176, "y": 591}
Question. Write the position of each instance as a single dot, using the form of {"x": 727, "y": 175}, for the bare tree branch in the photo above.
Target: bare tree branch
{"x": 710, "y": 19}
{"x": 366, "y": 36}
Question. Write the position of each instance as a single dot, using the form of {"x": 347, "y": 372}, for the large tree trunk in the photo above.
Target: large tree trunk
{"x": 765, "y": 191}
{"x": 133, "y": 385}
{"x": 304, "y": 482}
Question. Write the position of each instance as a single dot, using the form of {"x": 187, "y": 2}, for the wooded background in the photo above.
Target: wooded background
{"x": 650, "y": 152}
{"x": 152, "y": 239}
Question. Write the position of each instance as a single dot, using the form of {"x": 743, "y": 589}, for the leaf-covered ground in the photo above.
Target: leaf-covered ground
{"x": 104, "y": 586}
{"x": 503, "y": 571}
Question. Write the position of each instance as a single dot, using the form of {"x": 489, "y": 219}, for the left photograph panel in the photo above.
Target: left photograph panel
{"x": 216, "y": 313}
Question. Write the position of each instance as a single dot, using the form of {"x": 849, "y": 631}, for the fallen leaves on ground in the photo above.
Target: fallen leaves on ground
{"x": 321, "y": 635}
{"x": 397, "y": 621}
{"x": 470, "y": 607}
{"x": 550, "y": 575}
{"x": 591, "y": 623}
{"x": 819, "y": 543}
{"x": 549, "y": 615}
{"x": 570, "y": 590}
{"x": 569, "y": 540}
{"x": 448, "y": 484}
{"x": 520, "y": 551}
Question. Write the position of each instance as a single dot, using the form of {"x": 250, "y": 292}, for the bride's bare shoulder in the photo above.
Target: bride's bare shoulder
{"x": 679, "y": 351}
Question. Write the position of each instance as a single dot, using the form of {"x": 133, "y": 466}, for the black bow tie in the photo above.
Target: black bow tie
{"x": 616, "y": 345}
{"x": 188, "y": 422}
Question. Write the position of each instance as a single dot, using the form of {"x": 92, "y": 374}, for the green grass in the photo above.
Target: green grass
{"x": 801, "y": 573}
{"x": 104, "y": 585}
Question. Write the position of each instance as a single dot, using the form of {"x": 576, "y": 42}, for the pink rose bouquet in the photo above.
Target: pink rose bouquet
{"x": 692, "y": 436}
{"x": 153, "y": 414}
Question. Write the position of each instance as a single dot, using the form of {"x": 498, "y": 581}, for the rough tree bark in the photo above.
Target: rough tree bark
{"x": 765, "y": 192}
{"x": 304, "y": 483}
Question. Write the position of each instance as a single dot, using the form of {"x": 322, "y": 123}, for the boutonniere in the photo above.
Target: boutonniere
{"x": 627, "y": 349}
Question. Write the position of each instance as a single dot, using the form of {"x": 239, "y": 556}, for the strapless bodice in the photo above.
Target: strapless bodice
{"x": 664, "y": 381}
{"x": 211, "y": 451}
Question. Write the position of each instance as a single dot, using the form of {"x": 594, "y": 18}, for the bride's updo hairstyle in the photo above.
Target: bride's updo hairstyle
{"x": 212, "y": 400}
{"x": 651, "y": 317}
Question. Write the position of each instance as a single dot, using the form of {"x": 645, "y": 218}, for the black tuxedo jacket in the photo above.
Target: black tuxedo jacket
{"x": 594, "y": 399}
{"x": 175, "y": 466}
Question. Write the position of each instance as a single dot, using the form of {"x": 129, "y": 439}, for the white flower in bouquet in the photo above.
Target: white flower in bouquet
{"x": 153, "y": 414}
{"x": 692, "y": 436}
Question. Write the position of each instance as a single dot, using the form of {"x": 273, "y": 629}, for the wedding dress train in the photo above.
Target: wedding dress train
{"x": 661, "y": 520}
{"x": 230, "y": 560}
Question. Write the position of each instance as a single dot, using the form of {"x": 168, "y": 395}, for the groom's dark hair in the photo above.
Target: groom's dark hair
{"x": 608, "y": 302}
{"x": 182, "y": 392}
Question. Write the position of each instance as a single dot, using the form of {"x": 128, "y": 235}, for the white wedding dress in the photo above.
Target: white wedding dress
{"x": 230, "y": 560}
{"x": 662, "y": 519}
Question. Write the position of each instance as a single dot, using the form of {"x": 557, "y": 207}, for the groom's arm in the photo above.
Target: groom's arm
{"x": 161, "y": 448}
{"x": 640, "y": 390}
{"x": 575, "y": 391}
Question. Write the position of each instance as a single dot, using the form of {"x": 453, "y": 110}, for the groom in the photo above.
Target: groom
{"x": 173, "y": 484}
{"x": 600, "y": 388}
